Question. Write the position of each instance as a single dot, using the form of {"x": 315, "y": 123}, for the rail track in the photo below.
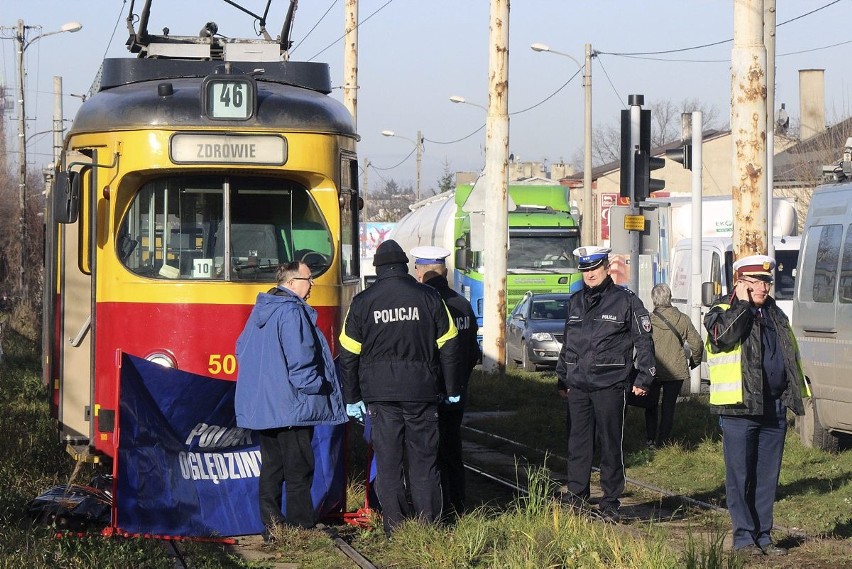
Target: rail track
{"x": 503, "y": 463}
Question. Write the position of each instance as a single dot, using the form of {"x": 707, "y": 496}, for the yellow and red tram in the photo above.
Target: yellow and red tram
{"x": 185, "y": 180}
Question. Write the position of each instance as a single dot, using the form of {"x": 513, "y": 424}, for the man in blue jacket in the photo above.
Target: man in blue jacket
{"x": 286, "y": 384}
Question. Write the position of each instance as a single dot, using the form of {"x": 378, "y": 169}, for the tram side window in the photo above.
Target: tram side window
{"x": 178, "y": 228}
{"x": 349, "y": 227}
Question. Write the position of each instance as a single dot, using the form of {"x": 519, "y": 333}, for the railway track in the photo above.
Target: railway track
{"x": 503, "y": 463}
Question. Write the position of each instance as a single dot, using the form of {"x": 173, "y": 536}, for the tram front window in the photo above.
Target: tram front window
{"x": 222, "y": 228}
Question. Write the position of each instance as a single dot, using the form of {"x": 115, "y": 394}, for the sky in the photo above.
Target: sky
{"x": 415, "y": 54}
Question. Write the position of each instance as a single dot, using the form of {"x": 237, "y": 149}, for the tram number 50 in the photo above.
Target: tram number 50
{"x": 219, "y": 363}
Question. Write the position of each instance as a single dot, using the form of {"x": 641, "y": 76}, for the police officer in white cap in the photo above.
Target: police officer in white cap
{"x": 430, "y": 265}
{"x": 755, "y": 376}
{"x": 606, "y": 323}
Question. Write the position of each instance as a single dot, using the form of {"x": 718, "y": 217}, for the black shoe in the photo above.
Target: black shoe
{"x": 650, "y": 444}
{"x": 267, "y": 536}
{"x": 751, "y": 549}
{"x": 772, "y": 549}
{"x": 610, "y": 513}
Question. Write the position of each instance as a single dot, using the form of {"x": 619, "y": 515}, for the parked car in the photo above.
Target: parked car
{"x": 535, "y": 330}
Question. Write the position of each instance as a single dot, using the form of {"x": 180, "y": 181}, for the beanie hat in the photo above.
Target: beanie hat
{"x": 389, "y": 252}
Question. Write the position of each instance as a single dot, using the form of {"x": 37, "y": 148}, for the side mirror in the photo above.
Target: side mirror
{"x": 66, "y": 197}
{"x": 462, "y": 259}
{"x": 709, "y": 293}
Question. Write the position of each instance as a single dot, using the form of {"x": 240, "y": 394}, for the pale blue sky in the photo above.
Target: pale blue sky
{"x": 415, "y": 54}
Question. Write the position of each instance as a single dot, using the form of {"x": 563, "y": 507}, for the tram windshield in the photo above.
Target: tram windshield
{"x": 222, "y": 228}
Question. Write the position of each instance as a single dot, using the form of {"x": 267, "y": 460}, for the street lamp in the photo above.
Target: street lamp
{"x": 460, "y": 99}
{"x": 418, "y": 145}
{"x": 23, "y": 44}
{"x": 587, "y": 236}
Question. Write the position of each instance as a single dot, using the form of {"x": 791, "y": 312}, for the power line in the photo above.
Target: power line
{"x": 712, "y": 44}
{"x": 307, "y": 35}
{"x": 357, "y": 26}
{"x": 400, "y": 163}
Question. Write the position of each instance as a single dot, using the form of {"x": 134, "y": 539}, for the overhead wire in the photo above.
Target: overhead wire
{"x": 307, "y": 35}
{"x": 357, "y": 26}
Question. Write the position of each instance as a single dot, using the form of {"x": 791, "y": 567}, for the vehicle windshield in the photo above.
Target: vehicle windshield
{"x": 176, "y": 228}
{"x": 542, "y": 252}
{"x": 549, "y": 309}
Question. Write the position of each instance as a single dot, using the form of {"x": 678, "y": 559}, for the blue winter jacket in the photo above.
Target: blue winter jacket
{"x": 286, "y": 375}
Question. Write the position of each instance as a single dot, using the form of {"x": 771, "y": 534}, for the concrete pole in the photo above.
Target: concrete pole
{"x": 587, "y": 235}
{"x": 350, "y": 59}
{"x": 22, "y": 159}
{"x": 419, "y": 161}
{"x": 497, "y": 178}
{"x": 748, "y": 128}
{"x": 697, "y": 130}
{"x": 769, "y": 41}
{"x": 58, "y": 127}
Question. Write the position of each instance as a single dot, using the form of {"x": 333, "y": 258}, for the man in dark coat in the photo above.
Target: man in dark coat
{"x": 395, "y": 350}
{"x": 431, "y": 268}
{"x": 606, "y": 325}
{"x": 755, "y": 376}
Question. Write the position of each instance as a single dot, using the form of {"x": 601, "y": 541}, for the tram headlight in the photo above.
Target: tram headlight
{"x": 162, "y": 358}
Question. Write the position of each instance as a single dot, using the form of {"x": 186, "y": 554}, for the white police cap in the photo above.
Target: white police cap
{"x": 591, "y": 256}
{"x": 756, "y": 266}
{"x": 429, "y": 255}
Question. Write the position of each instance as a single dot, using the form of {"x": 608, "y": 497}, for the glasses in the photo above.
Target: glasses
{"x": 765, "y": 284}
{"x": 311, "y": 279}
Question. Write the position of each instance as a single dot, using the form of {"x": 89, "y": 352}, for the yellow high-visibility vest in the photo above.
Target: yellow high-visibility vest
{"x": 726, "y": 372}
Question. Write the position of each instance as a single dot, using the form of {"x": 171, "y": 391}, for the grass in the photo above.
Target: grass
{"x": 533, "y": 531}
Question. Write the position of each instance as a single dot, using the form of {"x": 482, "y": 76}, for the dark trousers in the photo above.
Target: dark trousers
{"x": 597, "y": 412}
{"x": 406, "y": 432}
{"x": 450, "y": 458}
{"x": 753, "y": 447}
{"x": 662, "y": 413}
{"x": 287, "y": 457}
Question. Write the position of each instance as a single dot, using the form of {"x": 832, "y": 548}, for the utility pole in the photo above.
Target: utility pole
{"x": 696, "y": 133}
{"x": 419, "y": 161}
{"x": 497, "y": 187}
{"x": 587, "y": 230}
{"x": 58, "y": 126}
{"x": 748, "y": 128}
{"x": 350, "y": 59}
{"x": 22, "y": 159}
{"x": 769, "y": 41}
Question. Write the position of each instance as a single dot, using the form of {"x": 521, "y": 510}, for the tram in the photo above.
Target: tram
{"x": 190, "y": 173}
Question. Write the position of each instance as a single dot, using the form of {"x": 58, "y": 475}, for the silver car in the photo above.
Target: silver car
{"x": 535, "y": 330}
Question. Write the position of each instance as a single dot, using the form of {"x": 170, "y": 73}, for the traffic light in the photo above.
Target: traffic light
{"x": 645, "y": 163}
{"x": 643, "y": 166}
{"x": 682, "y": 155}
{"x": 626, "y": 151}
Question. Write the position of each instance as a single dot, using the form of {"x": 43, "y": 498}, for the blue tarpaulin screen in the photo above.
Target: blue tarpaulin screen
{"x": 186, "y": 469}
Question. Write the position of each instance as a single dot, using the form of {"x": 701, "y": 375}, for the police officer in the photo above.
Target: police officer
{"x": 755, "y": 376}
{"x": 431, "y": 269}
{"x": 606, "y": 324}
{"x": 396, "y": 349}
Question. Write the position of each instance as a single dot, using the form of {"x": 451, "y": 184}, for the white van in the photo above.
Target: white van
{"x": 717, "y": 259}
{"x": 822, "y": 315}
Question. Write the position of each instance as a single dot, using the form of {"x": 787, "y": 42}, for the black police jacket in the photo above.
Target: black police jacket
{"x": 603, "y": 327}
{"x": 465, "y": 321}
{"x": 396, "y": 342}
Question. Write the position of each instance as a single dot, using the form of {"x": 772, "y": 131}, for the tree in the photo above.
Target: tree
{"x": 665, "y": 128}
{"x": 388, "y": 203}
{"x": 447, "y": 181}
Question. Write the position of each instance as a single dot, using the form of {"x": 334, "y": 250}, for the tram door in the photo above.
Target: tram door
{"x": 75, "y": 288}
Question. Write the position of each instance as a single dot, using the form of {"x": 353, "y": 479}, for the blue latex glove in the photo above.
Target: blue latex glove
{"x": 356, "y": 410}
{"x": 452, "y": 399}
